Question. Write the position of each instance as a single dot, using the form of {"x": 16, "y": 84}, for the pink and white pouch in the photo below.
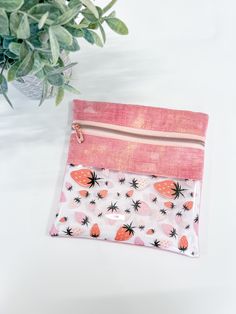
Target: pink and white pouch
{"x": 133, "y": 175}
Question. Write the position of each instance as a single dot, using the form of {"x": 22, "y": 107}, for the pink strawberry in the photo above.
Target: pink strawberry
{"x": 63, "y": 197}
{"x": 138, "y": 241}
{"x": 81, "y": 218}
{"x": 92, "y": 205}
{"x": 63, "y": 219}
{"x": 169, "y": 189}
{"x": 161, "y": 215}
{"x": 141, "y": 208}
{"x": 179, "y": 218}
{"x": 53, "y": 232}
{"x": 69, "y": 186}
{"x": 169, "y": 230}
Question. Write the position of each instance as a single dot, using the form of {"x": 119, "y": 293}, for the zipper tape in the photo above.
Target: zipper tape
{"x": 136, "y": 135}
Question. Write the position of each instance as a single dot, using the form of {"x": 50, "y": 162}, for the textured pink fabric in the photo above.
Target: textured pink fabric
{"x": 114, "y": 154}
{"x": 120, "y": 155}
{"x": 143, "y": 117}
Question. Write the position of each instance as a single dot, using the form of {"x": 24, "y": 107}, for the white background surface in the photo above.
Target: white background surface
{"x": 179, "y": 54}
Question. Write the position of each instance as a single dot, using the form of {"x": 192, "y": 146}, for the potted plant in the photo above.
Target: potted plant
{"x": 36, "y": 37}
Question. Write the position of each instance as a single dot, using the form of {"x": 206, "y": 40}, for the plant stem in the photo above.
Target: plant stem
{"x": 109, "y": 6}
{"x": 4, "y": 65}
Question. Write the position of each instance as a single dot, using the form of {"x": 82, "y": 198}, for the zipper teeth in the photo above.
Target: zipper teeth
{"x": 85, "y": 126}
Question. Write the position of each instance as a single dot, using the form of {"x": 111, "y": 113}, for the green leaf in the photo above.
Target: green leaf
{"x": 56, "y": 79}
{"x": 109, "y": 6}
{"x": 44, "y": 92}
{"x": 117, "y": 25}
{"x": 4, "y": 23}
{"x": 112, "y": 14}
{"x": 11, "y": 74}
{"x": 97, "y": 39}
{"x": 60, "y": 4}
{"x": 43, "y": 20}
{"x": 91, "y": 7}
{"x": 60, "y": 95}
{"x": 40, "y": 74}
{"x": 63, "y": 69}
{"x": 71, "y": 89}
{"x": 15, "y": 48}
{"x": 102, "y": 32}
{"x": 87, "y": 34}
{"x": 29, "y": 4}
{"x": 38, "y": 63}
{"x": 74, "y": 3}
{"x": 10, "y": 55}
{"x": 40, "y": 9}
{"x": 62, "y": 35}
{"x": 23, "y": 31}
{"x": 11, "y": 5}
{"x": 3, "y": 84}
{"x": 26, "y": 65}
{"x": 74, "y": 47}
{"x": 90, "y": 16}
{"x": 67, "y": 16}
{"x": 75, "y": 32}
{"x": 54, "y": 45}
{"x": 14, "y": 22}
{"x": 6, "y": 41}
{"x": 23, "y": 51}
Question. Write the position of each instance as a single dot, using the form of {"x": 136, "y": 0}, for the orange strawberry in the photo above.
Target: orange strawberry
{"x": 83, "y": 193}
{"x": 188, "y": 205}
{"x": 102, "y": 194}
{"x": 169, "y": 189}
{"x": 129, "y": 193}
{"x": 95, "y": 231}
{"x": 150, "y": 231}
{"x": 125, "y": 232}
{"x": 85, "y": 177}
{"x": 169, "y": 205}
{"x": 183, "y": 244}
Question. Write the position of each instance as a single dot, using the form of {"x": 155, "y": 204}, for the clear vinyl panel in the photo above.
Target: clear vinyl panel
{"x": 144, "y": 210}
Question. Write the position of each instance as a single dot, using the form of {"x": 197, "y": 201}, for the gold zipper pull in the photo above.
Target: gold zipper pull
{"x": 78, "y": 131}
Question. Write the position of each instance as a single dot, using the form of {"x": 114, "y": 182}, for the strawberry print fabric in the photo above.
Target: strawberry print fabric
{"x": 124, "y": 207}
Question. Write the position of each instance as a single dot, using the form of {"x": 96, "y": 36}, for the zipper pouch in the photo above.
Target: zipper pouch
{"x": 133, "y": 175}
